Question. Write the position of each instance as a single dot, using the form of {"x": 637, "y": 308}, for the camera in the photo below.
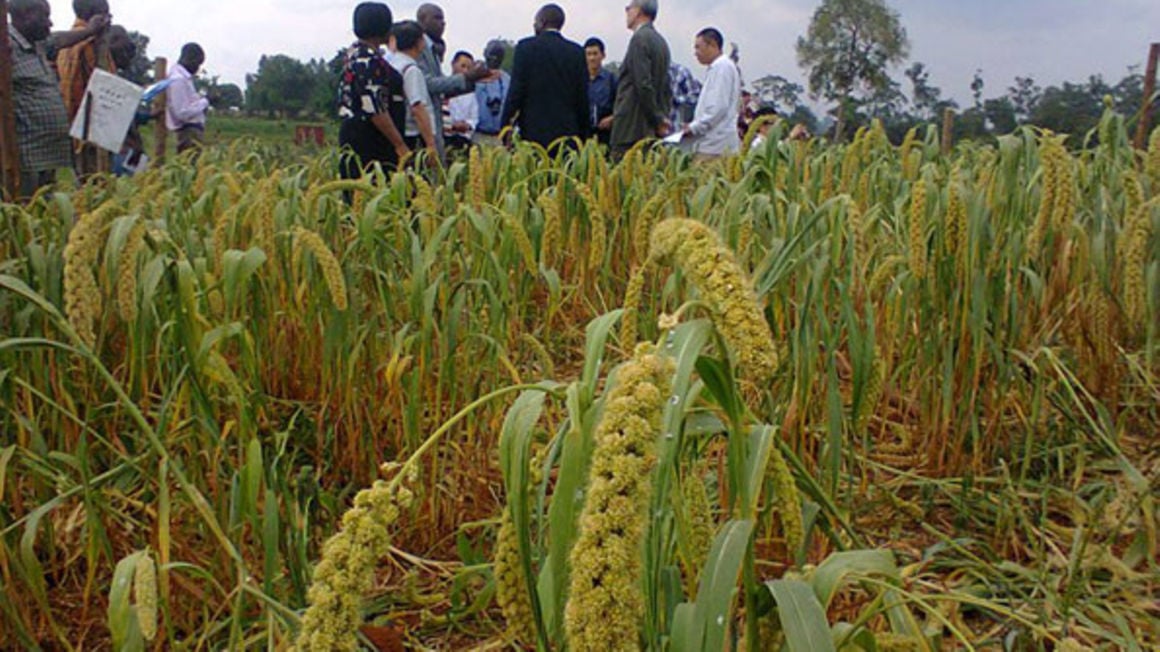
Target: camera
{"x": 495, "y": 105}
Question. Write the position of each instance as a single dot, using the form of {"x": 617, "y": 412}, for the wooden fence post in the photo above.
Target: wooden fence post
{"x": 9, "y": 151}
{"x": 948, "y": 131}
{"x": 1143, "y": 126}
{"x": 160, "y": 131}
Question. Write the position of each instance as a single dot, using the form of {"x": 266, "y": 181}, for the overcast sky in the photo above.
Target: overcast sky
{"x": 1051, "y": 40}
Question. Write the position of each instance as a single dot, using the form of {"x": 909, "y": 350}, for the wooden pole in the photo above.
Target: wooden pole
{"x": 9, "y": 151}
{"x": 1143, "y": 126}
{"x": 160, "y": 132}
{"x": 948, "y": 131}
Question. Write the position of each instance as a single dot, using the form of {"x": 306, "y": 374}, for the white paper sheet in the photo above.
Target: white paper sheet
{"x": 109, "y": 105}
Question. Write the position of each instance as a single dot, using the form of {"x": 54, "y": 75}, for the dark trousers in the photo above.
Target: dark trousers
{"x": 190, "y": 137}
{"x": 30, "y": 182}
{"x": 91, "y": 160}
{"x": 362, "y": 146}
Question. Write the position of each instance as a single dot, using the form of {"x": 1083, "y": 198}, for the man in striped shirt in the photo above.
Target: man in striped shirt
{"x": 41, "y": 119}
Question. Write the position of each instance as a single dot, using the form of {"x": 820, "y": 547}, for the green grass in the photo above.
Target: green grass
{"x": 224, "y": 129}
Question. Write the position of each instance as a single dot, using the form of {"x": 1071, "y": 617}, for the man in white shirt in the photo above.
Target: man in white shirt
{"x": 462, "y": 110}
{"x": 185, "y": 108}
{"x": 420, "y": 133}
{"x": 713, "y": 131}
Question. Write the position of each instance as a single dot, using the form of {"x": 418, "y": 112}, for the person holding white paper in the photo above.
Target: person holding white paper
{"x": 76, "y": 65}
{"x": 713, "y": 131}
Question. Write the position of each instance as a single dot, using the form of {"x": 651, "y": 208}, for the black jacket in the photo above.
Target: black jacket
{"x": 549, "y": 94}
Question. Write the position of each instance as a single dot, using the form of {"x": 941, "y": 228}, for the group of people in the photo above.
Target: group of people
{"x": 50, "y": 75}
{"x": 395, "y": 100}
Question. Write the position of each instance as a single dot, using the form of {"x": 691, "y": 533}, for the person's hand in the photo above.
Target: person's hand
{"x": 664, "y": 128}
{"x": 478, "y": 73}
{"x": 98, "y": 23}
{"x": 605, "y": 124}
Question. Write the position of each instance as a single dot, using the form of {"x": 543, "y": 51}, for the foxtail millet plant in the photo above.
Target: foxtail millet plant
{"x": 83, "y": 301}
{"x": 1051, "y": 162}
{"x": 916, "y": 249}
{"x": 1135, "y": 260}
{"x": 511, "y": 588}
{"x": 145, "y": 595}
{"x": 550, "y": 240}
{"x": 127, "y": 272}
{"x": 306, "y": 240}
{"x": 346, "y": 570}
{"x": 605, "y": 599}
{"x": 698, "y": 525}
{"x": 698, "y": 252}
{"x": 1152, "y": 166}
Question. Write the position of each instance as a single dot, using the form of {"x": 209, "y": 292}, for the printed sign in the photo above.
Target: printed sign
{"x": 107, "y": 111}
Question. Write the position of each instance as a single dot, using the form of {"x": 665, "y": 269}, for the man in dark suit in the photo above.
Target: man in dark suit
{"x": 549, "y": 94}
{"x": 643, "y": 95}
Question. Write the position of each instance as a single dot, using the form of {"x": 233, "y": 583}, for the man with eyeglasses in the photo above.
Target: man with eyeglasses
{"x": 643, "y": 95}
{"x": 491, "y": 95}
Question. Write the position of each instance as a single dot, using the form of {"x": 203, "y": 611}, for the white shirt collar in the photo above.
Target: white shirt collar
{"x": 404, "y": 57}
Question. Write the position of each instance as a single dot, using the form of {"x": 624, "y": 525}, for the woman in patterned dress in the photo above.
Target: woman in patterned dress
{"x": 371, "y": 102}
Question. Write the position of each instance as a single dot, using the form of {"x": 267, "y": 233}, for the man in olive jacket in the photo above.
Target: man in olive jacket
{"x": 643, "y": 96}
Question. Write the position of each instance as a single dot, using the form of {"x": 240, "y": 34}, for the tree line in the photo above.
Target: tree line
{"x": 852, "y": 46}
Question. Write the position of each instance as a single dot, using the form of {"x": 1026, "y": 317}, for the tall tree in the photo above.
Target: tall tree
{"x": 281, "y": 85}
{"x": 925, "y": 96}
{"x": 1072, "y": 109}
{"x": 1024, "y": 95}
{"x": 778, "y": 91}
{"x": 849, "y": 47}
{"x": 141, "y": 70}
{"x": 1001, "y": 115}
{"x": 327, "y": 75}
{"x": 977, "y": 85}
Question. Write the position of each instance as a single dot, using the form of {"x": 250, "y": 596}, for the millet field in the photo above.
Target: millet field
{"x": 818, "y": 397}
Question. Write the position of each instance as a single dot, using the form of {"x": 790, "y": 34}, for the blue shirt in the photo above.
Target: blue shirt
{"x": 491, "y": 96}
{"x": 601, "y": 95}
